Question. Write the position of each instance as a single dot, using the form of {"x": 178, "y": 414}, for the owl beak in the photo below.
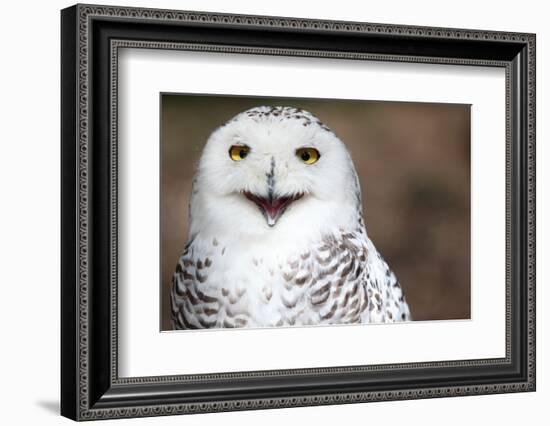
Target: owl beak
{"x": 272, "y": 207}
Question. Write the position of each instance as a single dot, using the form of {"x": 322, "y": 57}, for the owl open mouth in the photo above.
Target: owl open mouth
{"x": 272, "y": 207}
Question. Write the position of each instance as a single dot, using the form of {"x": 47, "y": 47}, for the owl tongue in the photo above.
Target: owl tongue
{"x": 272, "y": 207}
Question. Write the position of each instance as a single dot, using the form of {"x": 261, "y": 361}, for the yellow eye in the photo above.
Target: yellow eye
{"x": 238, "y": 152}
{"x": 308, "y": 155}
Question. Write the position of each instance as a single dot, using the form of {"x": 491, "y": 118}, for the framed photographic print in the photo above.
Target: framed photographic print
{"x": 263, "y": 212}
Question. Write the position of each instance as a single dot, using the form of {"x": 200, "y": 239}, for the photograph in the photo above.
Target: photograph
{"x": 279, "y": 212}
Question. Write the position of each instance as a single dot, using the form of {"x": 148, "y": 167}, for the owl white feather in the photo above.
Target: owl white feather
{"x": 277, "y": 236}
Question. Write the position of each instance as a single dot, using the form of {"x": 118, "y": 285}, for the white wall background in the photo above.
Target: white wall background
{"x": 29, "y": 211}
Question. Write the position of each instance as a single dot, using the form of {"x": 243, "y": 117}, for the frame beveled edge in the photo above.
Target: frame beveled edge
{"x": 115, "y": 46}
{"x": 76, "y": 97}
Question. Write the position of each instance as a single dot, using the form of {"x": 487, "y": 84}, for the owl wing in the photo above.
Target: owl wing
{"x": 348, "y": 282}
{"x": 386, "y": 297}
{"x": 191, "y": 307}
{"x": 336, "y": 291}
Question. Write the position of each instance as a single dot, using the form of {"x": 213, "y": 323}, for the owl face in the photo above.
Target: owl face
{"x": 273, "y": 168}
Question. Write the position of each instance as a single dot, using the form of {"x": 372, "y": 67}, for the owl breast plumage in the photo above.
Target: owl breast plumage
{"x": 282, "y": 251}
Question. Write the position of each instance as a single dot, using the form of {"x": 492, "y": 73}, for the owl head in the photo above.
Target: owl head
{"x": 274, "y": 171}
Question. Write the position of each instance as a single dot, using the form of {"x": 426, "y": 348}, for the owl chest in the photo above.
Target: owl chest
{"x": 256, "y": 293}
{"x": 287, "y": 292}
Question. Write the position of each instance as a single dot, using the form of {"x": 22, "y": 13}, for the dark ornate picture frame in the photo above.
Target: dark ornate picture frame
{"x": 90, "y": 385}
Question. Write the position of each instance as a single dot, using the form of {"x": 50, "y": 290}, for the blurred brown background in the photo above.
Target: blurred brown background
{"x": 413, "y": 160}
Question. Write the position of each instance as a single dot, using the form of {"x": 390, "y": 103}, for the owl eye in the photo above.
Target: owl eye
{"x": 308, "y": 155}
{"x": 238, "y": 152}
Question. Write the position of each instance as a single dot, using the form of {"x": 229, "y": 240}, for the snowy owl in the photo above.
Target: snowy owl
{"x": 276, "y": 232}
